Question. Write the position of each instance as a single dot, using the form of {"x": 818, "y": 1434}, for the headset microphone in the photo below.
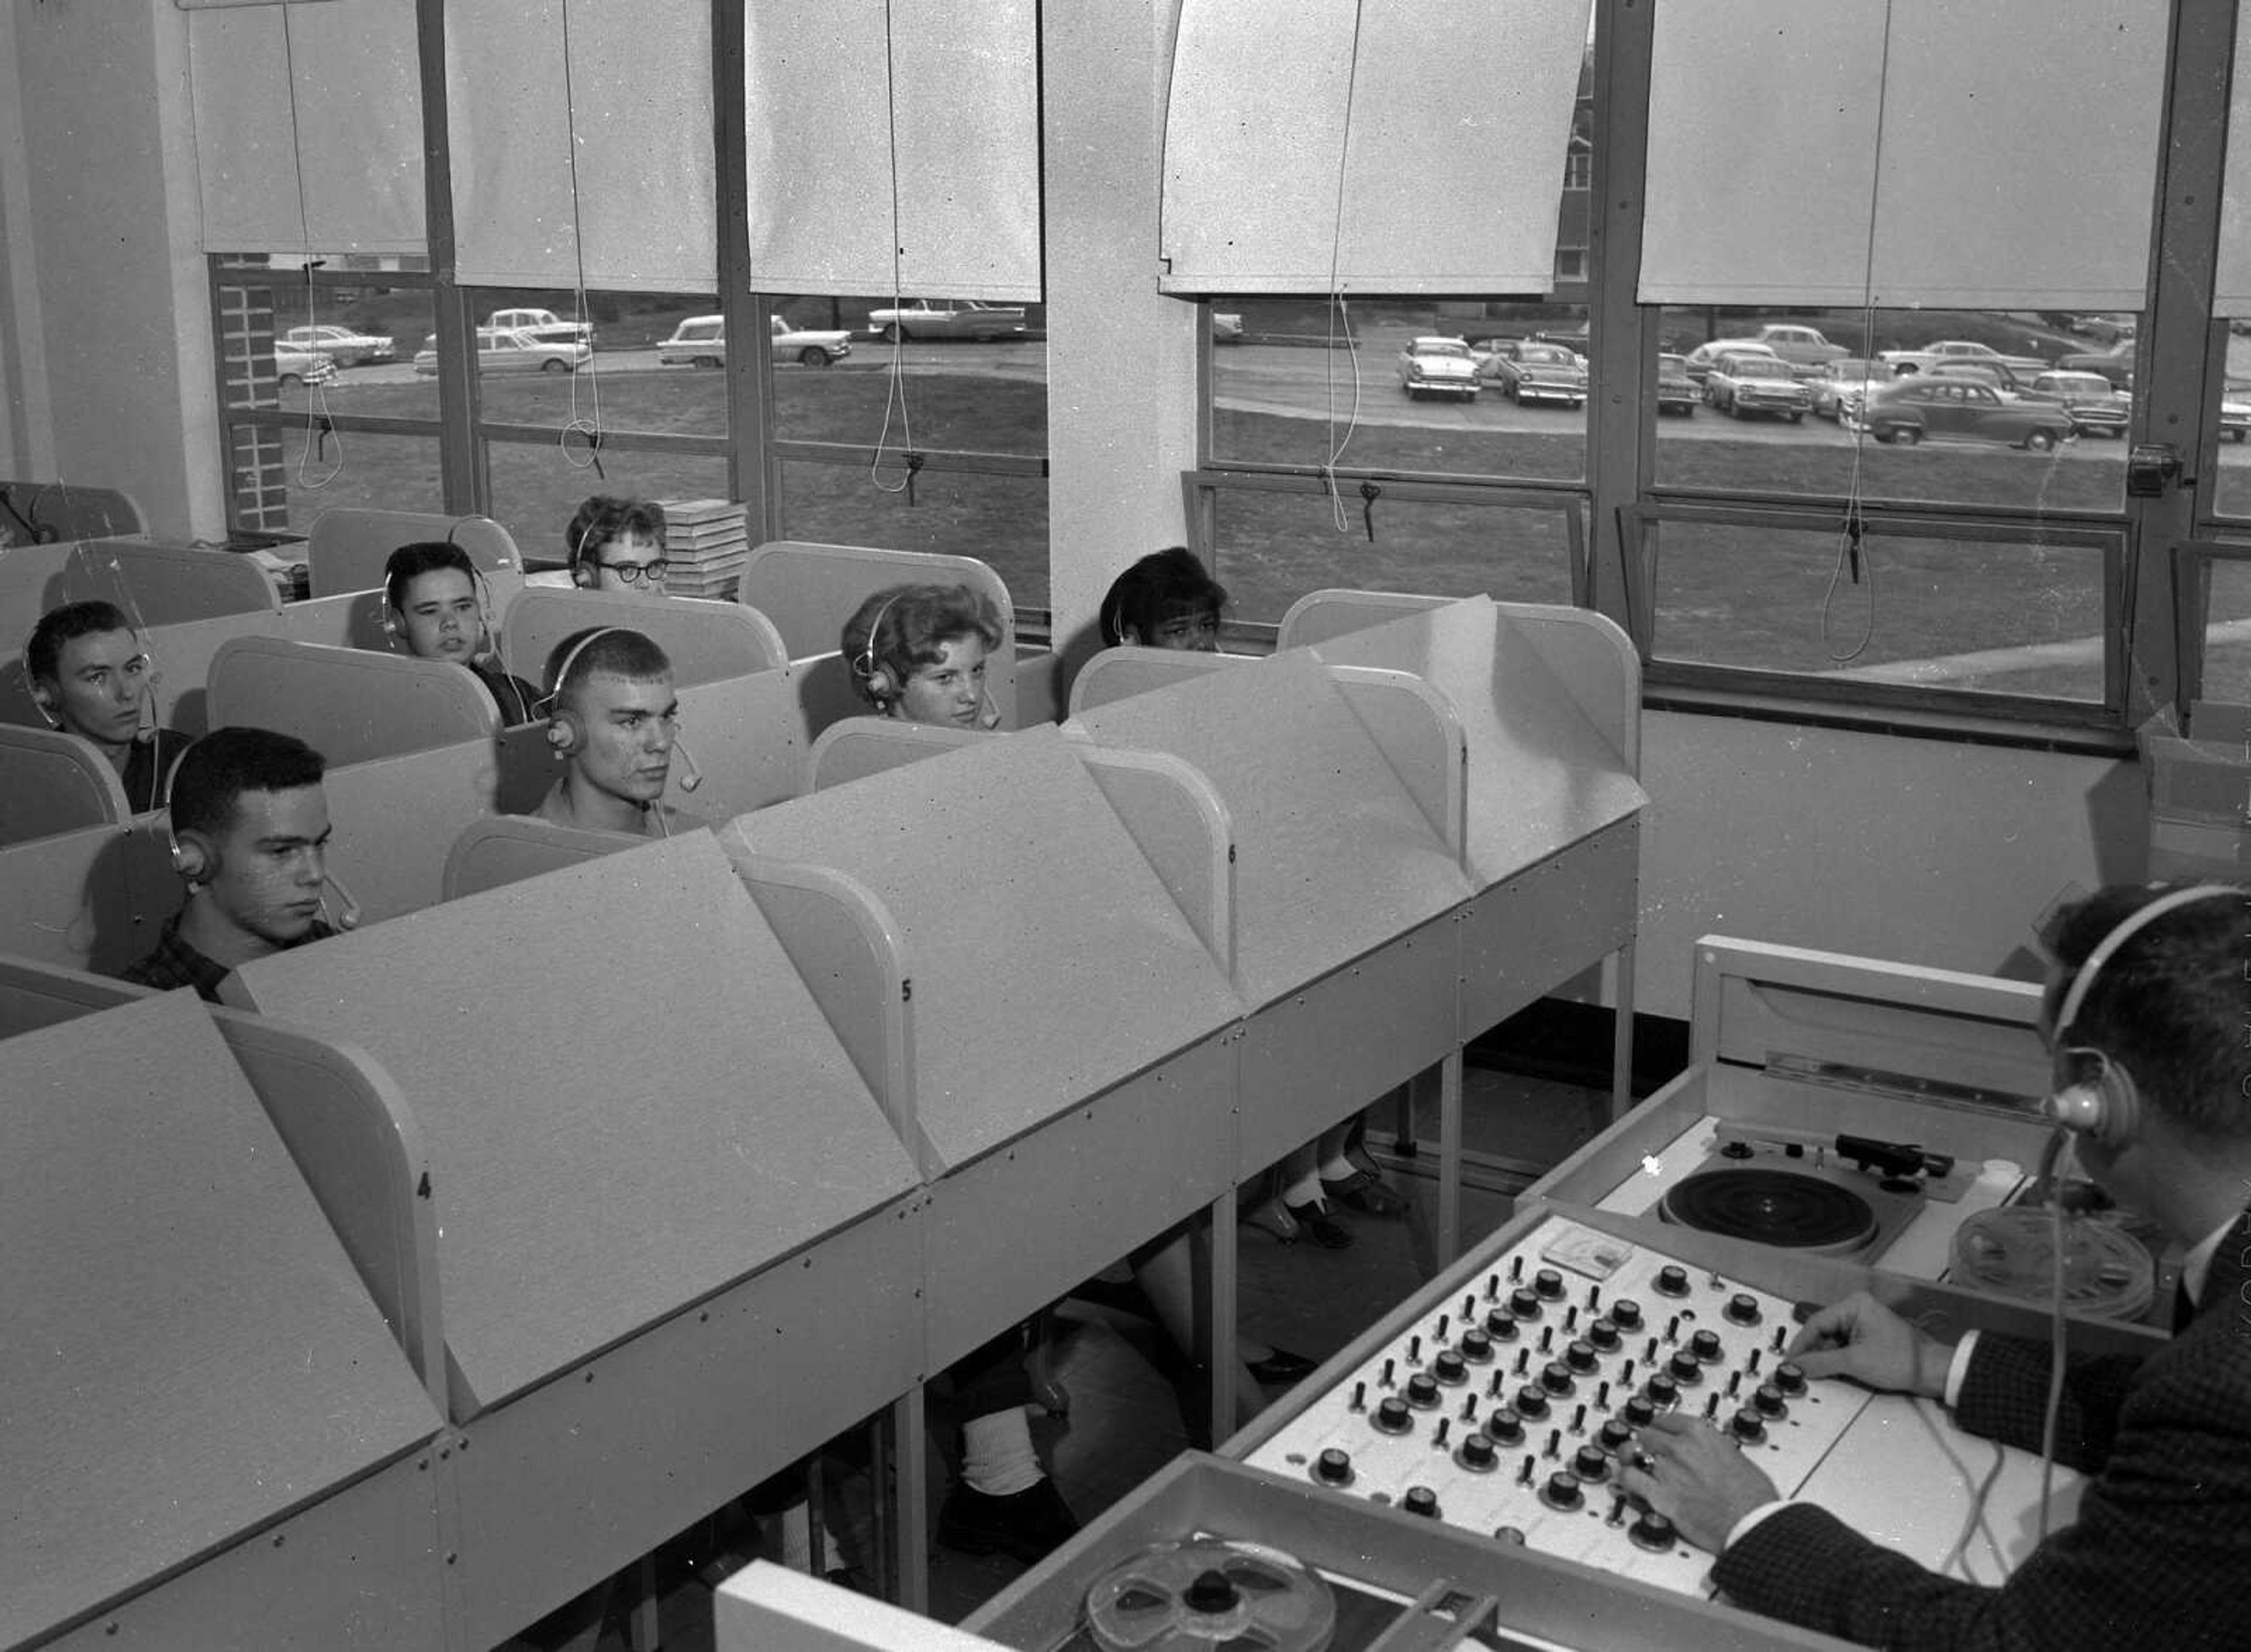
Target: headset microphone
{"x": 989, "y": 708}
{"x": 144, "y": 731}
{"x": 691, "y": 776}
{"x": 348, "y": 910}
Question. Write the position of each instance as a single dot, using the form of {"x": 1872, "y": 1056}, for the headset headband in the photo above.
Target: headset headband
{"x": 865, "y": 665}
{"x": 2140, "y": 918}
{"x": 563, "y": 673}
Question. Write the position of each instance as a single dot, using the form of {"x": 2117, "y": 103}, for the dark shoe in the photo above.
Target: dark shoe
{"x": 1367, "y": 1193}
{"x": 1280, "y": 1368}
{"x": 1027, "y": 1525}
{"x": 1313, "y": 1217}
{"x": 1273, "y": 1217}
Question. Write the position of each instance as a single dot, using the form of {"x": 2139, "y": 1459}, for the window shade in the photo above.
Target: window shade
{"x": 351, "y": 151}
{"x": 2232, "y": 291}
{"x": 858, "y": 109}
{"x": 631, "y": 98}
{"x": 1404, "y": 146}
{"x": 1966, "y": 154}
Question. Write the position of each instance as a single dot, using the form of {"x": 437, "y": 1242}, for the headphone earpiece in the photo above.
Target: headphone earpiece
{"x": 188, "y": 857}
{"x": 2106, "y": 1108}
{"x": 874, "y": 675}
{"x": 563, "y": 732}
{"x": 46, "y": 705}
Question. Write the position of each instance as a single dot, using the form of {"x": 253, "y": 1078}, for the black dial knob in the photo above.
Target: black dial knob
{"x": 1562, "y": 1490}
{"x": 1524, "y": 1303}
{"x": 1506, "y": 1427}
{"x": 1789, "y": 1379}
{"x": 1614, "y": 1433}
{"x": 1477, "y": 1454}
{"x": 1500, "y": 1324}
{"x": 1769, "y": 1401}
{"x": 1743, "y": 1308}
{"x": 1477, "y": 1347}
{"x": 1672, "y": 1282}
{"x": 1422, "y": 1389}
{"x": 1749, "y": 1425}
{"x": 1393, "y": 1417}
{"x": 1663, "y": 1389}
{"x": 1603, "y": 1334}
{"x": 1685, "y": 1366}
{"x": 1590, "y": 1462}
{"x": 1549, "y": 1283}
{"x": 1639, "y": 1411}
{"x": 1627, "y": 1313}
{"x": 1421, "y": 1500}
{"x": 1557, "y": 1378}
{"x": 1579, "y": 1356}
{"x": 1531, "y": 1402}
{"x": 1705, "y": 1345}
{"x": 1333, "y": 1468}
{"x": 1652, "y": 1531}
{"x": 1448, "y": 1367}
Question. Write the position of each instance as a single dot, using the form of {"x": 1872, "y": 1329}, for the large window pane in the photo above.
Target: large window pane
{"x": 1997, "y": 616}
{"x": 343, "y": 350}
{"x": 537, "y": 486}
{"x": 2226, "y": 665}
{"x": 281, "y": 478}
{"x": 1971, "y": 408}
{"x": 1000, "y": 520}
{"x": 1297, "y": 382}
{"x": 1272, "y": 548}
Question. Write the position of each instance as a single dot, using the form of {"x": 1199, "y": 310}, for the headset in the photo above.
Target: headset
{"x": 2106, "y": 1108}
{"x": 876, "y": 675}
{"x": 144, "y": 729}
{"x": 199, "y": 866}
{"x": 567, "y": 735}
{"x": 477, "y": 584}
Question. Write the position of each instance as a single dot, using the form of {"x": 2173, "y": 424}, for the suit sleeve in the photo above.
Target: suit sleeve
{"x": 2005, "y": 1398}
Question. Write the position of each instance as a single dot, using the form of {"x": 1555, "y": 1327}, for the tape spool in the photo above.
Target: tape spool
{"x": 2107, "y": 1272}
{"x": 1209, "y": 1593}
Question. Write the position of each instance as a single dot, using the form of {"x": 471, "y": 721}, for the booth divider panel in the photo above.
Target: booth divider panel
{"x": 1121, "y": 673}
{"x": 705, "y": 640}
{"x": 860, "y": 746}
{"x": 352, "y": 706}
{"x": 508, "y": 849}
{"x": 616, "y": 1138}
{"x": 35, "y": 994}
{"x": 396, "y": 820}
{"x": 1541, "y": 775}
{"x": 189, "y": 1354}
{"x": 1049, "y": 962}
{"x": 347, "y": 547}
{"x": 93, "y": 900}
{"x": 1334, "y": 856}
{"x": 53, "y": 782}
{"x": 746, "y": 740}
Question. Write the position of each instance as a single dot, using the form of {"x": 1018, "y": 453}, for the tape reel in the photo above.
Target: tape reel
{"x": 1209, "y": 1593}
{"x": 2107, "y": 1272}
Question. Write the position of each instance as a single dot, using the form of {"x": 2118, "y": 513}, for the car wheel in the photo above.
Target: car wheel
{"x": 705, "y": 361}
{"x": 2040, "y": 440}
{"x": 289, "y": 381}
{"x": 1908, "y": 433}
{"x": 813, "y": 355}
{"x": 895, "y": 334}
{"x": 554, "y": 364}
{"x": 1797, "y": 417}
{"x": 2233, "y": 436}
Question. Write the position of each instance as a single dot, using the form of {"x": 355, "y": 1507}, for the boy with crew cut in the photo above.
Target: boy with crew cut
{"x": 91, "y": 676}
{"x": 250, "y": 832}
{"x": 614, "y": 722}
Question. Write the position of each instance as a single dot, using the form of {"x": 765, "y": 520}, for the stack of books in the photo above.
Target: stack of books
{"x": 706, "y": 541}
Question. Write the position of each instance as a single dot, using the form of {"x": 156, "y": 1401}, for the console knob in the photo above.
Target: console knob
{"x": 1477, "y": 1454}
{"x": 1500, "y": 1324}
{"x": 1769, "y": 1400}
{"x": 1392, "y": 1416}
{"x": 1672, "y": 1282}
{"x": 1615, "y": 1433}
{"x": 1562, "y": 1490}
{"x": 1603, "y": 1334}
{"x": 1748, "y": 1425}
{"x": 1477, "y": 1347}
{"x": 1448, "y": 1367}
{"x": 1579, "y": 1356}
{"x": 1530, "y": 1402}
{"x": 1639, "y": 1411}
{"x": 1652, "y": 1531}
{"x": 1421, "y": 1500}
{"x": 1549, "y": 1283}
{"x": 1555, "y": 1379}
{"x": 1589, "y": 1463}
{"x": 1627, "y": 1313}
{"x": 1421, "y": 1390}
{"x": 1789, "y": 1379}
{"x": 1685, "y": 1366}
{"x": 1333, "y": 1468}
{"x": 1743, "y": 1308}
{"x": 1663, "y": 1389}
{"x": 1525, "y": 1303}
{"x": 1705, "y": 1345}
{"x": 1505, "y": 1427}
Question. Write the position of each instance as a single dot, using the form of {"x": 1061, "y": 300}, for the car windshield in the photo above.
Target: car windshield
{"x": 1440, "y": 347}
{"x": 1546, "y": 355}
{"x": 2079, "y": 384}
{"x": 1672, "y": 363}
{"x": 1757, "y": 367}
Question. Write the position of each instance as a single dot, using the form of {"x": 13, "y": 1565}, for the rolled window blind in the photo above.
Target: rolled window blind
{"x": 1404, "y": 146}
{"x": 1966, "y": 154}
{"x": 348, "y": 146}
{"x": 2232, "y": 291}
{"x": 894, "y": 146}
{"x": 625, "y": 87}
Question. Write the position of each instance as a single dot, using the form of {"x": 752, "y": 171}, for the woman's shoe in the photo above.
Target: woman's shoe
{"x": 1314, "y": 1216}
{"x": 1365, "y": 1191}
{"x": 1273, "y": 1217}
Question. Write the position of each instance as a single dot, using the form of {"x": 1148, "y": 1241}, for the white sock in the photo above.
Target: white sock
{"x": 996, "y": 1454}
{"x": 797, "y": 1537}
{"x": 1339, "y": 1168}
{"x": 1307, "y": 1190}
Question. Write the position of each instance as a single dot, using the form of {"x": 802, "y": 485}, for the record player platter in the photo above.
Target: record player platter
{"x": 1772, "y": 1207}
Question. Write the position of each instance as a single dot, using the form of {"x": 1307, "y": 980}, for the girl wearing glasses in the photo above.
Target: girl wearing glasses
{"x": 617, "y": 544}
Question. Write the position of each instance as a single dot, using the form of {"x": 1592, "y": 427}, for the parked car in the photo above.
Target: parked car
{"x": 2115, "y": 363}
{"x": 543, "y": 325}
{"x": 1437, "y": 366}
{"x": 1226, "y": 328}
{"x": 1528, "y": 371}
{"x": 1676, "y": 391}
{"x": 2095, "y": 406}
{"x": 701, "y": 341}
{"x": 947, "y": 318}
{"x": 1911, "y": 361}
{"x": 2106, "y": 330}
{"x": 293, "y": 364}
{"x": 1805, "y": 348}
{"x": 342, "y": 345}
{"x": 502, "y": 351}
{"x": 1846, "y": 382}
{"x": 1744, "y": 382}
{"x": 2006, "y": 380}
{"x": 1959, "y": 410}
{"x": 1699, "y": 359}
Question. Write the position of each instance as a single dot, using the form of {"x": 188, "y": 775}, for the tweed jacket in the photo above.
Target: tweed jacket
{"x": 2160, "y": 1555}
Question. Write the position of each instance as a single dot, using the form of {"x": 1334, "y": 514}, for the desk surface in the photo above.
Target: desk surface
{"x": 1333, "y": 858}
{"x": 631, "y": 1099}
{"x": 188, "y": 1353}
{"x": 1049, "y": 963}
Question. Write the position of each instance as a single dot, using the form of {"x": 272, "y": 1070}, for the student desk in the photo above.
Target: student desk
{"x": 678, "y": 1239}
{"x": 154, "y": 584}
{"x": 214, "y": 1438}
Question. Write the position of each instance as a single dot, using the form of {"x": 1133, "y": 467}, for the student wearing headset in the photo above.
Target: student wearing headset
{"x": 91, "y": 676}
{"x": 614, "y": 722}
{"x": 250, "y": 833}
{"x": 919, "y": 652}
{"x": 617, "y": 544}
{"x": 1168, "y": 599}
{"x": 2145, "y": 1012}
{"x": 435, "y": 607}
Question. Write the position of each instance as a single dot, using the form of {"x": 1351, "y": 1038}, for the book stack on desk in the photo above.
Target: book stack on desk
{"x": 706, "y": 541}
